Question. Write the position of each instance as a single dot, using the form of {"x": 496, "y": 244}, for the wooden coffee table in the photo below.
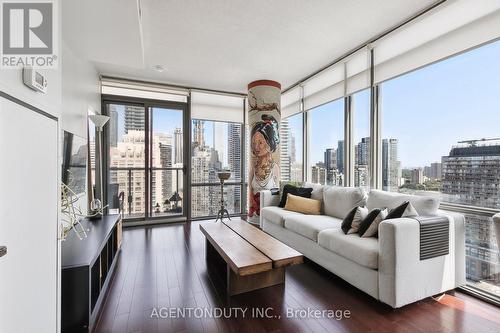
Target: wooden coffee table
{"x": 249, "y": 258}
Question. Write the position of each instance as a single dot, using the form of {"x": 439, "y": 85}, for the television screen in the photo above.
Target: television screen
{"x": 74, "y": 170}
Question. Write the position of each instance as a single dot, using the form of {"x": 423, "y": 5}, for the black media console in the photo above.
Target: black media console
{"x": 87, "y": 269}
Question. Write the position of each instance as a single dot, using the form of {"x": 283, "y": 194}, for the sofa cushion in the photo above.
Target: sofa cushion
{"x": 299, "y": 204}
{"x": 295, "y": 190}
{"x": 276, "y": 214}
{"x": 424, "y": 205}
{"x": 339, "y": 201}
{"x": 310, "y": 225}
{"x": 317, "y": 193}
{"x": 363, "y": 251}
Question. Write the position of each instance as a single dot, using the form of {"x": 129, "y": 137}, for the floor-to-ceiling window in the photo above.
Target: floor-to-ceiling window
{"x": 291, "y": 133}
{"x": 215, "y": 146}
{"x": 440, "y": 137}
{"x": 127, "y": 158}
{"x": 145, "y": 178}
{"x": 326, "y": 143}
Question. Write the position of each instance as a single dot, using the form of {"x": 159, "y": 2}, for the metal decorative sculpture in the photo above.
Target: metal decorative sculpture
{"x": 72, "y": 214}
{"x": 264, "y": 118}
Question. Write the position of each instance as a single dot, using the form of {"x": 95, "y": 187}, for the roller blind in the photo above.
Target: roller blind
{"x": 358, "y": 71}
{"x": 290, "y": 102}
{"x": 341, "y": 79}
{"x": 453, "y": 27}
{"x": 216, "y": 107}
{"x": 119, "y": 87}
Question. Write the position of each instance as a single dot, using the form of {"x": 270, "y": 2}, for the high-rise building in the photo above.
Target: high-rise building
{"x": 340, "y": 156}
{"x": 161, "y": 157}
{"x": 134, "y": 118}
{"x": 318, "y": 174}
{"x": 391, "y": 166}
{"x": 362, "y": 163}
{"x": 330, "y": 165}
{"x": 178, "y": 146}
{"x": 198, "y": 133}
{"x": 130, "y": 153}
{"x": 234, "y": 161}
{"x": 470, "y": 176}
{"x": 435, "y": 172}
{"x": 417, "y": 176}
{"x": 113, "y": 125}
{"x": 219, "y": 143}
{"x": 286, "y": 150}
{"x": 362, "y": 152}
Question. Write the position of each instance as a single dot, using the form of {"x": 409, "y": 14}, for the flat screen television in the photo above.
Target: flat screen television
{"x": 74, "y": 167}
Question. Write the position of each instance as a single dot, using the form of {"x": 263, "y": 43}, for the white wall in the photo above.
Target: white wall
{"x": 80, "y": 91}
{"x": 11, "y": 83}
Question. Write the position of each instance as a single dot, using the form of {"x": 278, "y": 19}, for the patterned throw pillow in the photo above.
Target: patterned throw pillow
{"x": 369, "y": 226}
{"x": 358, "y": 216}
{"x": 406, "y": 209}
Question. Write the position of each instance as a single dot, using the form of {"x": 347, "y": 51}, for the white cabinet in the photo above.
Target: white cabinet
{"x": 29, "y": 181}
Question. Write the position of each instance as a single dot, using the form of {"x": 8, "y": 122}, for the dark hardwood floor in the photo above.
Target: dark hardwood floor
{"x": 164, "y": 267}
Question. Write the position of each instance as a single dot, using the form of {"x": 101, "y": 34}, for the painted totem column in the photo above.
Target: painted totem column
{"x": 264, "y": 119}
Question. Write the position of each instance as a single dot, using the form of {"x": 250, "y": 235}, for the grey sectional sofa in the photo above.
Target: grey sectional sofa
{"x": 387, "y": 268}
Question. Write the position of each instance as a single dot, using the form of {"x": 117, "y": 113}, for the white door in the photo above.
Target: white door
{"x": 28, "y": 220}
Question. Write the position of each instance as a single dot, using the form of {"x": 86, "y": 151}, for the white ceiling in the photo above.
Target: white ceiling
{"x": 224, "y": 45}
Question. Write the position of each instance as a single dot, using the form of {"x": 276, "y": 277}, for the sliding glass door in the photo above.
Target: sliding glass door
{"x": 146, "y": 174}
{"x": 166, "y": 163}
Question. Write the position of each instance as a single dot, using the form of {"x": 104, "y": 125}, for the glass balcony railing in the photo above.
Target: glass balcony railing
{"x": 165, "y": 191}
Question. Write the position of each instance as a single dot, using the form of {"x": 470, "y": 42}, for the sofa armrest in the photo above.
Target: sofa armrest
{"x": 267, "y": 198}
{"x": 403, "y": 277}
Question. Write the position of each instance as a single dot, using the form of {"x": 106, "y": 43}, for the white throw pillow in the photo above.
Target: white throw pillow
{"x": 410, "y": 211}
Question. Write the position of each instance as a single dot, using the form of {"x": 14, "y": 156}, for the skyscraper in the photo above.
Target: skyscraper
{"x": 234, "y": 161}
{"x": 362, "y": 152}
{"x": 435, "y": 172}
{"x": 219, "y": 143}
{"x": 113, "y": 125}
{"x": 391, "y": 166}
{"x": 417, "y": 176}
{"x": 340, "y": 156}
{"x": 198, "y": 133}
{"x": 330, "y": 165}
{"x": 178, "y": 146}
{"x": 134, "y": 118}
{"x": 286, "y": 150}
{"x": 470, "y": 176}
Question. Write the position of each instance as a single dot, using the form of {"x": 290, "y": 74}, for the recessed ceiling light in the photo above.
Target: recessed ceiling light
{"x": 158, "y": 68}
